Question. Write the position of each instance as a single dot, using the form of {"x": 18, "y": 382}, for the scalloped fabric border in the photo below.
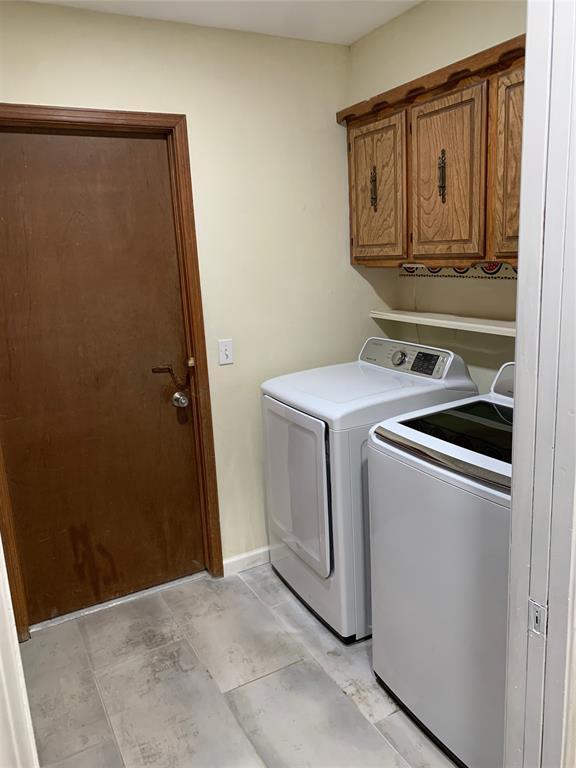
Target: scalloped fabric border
{"x": 490, "y": 270}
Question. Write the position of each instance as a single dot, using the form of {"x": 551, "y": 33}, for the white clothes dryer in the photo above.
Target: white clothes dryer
{"x": 316, "y": 425}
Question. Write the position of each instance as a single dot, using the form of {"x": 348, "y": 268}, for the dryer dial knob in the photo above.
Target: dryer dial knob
{"x": 399, "y": 357}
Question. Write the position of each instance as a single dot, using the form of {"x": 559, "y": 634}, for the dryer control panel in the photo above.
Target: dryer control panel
{"x": 409, "y": 358}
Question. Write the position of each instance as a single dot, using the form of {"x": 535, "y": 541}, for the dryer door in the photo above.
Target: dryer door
{"x": 297, "y": 492}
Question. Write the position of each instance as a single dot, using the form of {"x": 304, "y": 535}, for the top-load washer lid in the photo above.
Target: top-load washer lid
{"x": 483, "y": 426}
{"x": 472, "y": 436}
{"x": 387, "y": 371}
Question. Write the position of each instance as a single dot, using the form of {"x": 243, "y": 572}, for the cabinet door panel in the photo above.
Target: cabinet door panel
{"x": 378, "y": 189}
{"x": 448, "y": 174}
{"x": 506, "y": 106}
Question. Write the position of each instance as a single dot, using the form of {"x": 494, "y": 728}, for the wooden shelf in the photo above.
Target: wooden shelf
{"x": 458, "y": 322}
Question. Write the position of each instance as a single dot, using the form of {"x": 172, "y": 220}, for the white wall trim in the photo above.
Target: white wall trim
{"x": 522, "y": 686}
{"x": 17, "y": 744}
{"x": 246, "y": 560}
{"x": 539, "y": 729}
{"x": 559, "y": 728}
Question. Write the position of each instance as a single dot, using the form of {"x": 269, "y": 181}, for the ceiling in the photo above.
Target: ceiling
{"x": 327, "y": 21}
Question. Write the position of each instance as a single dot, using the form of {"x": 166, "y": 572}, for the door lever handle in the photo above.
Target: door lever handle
{"x": 168, "y": 369}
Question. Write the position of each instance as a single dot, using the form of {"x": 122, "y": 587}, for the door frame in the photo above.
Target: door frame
{"x": 541, "y": 669}
{"x": 173, "y": 128}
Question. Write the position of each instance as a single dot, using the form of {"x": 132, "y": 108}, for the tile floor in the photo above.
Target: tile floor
{"x": 229, "y": 673}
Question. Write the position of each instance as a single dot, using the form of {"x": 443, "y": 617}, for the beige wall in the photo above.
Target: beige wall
{"x": 269, "y": 177}
{"x": 429, "y": 36}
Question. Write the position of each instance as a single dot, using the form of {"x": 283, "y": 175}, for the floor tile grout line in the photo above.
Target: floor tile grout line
{"x": 142, "y": 652}
{"x": 184, "y": 628}
{"x": 295, "y": 634}
{"x": 323, "y": 672}
{"x": 243, "y": 729}
{"x": 82, "y": 633}
{"x": 222, "y": 694}
{"x": 285, "y": 626}
{"x": 148, "y": 652}
{"x": 266, "y": 674}
{"x": 308, "y": 651}
{"x": 282, "y": 623}
{"x": 426, "y": 741}
{"x": 397, "y": 753}
{"x": 109, "y": 721}
{"x": 312, "y": 652}
{"x": 387, "y": 740}
{"x": 181, "y": 625}
{"x": 270, "y": 607}
{"x": 92, "y": 672}
{"x": 318, "y": 656}
{"x": 186, "y": 637}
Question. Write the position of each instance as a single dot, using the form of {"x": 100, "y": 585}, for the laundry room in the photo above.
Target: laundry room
{"x": 274, "y": 275}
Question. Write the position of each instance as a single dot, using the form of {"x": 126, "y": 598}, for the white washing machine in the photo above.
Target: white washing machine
{"x": 440, "y": 525}
{"x": 316, "y": 426}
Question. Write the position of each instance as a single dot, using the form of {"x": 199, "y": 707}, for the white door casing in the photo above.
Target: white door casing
{"x": 17, "y": 745}
{"x": 542, "y": 547}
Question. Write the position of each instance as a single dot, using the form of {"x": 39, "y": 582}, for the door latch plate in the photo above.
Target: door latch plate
{"x": 537, "y": 618}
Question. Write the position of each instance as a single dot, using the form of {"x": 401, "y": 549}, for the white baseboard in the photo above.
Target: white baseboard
{"x": 246, "y": 560}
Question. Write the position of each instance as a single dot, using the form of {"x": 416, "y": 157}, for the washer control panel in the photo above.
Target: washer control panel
{"x": 408, "y": 358}
{"x": 425, "y": 362}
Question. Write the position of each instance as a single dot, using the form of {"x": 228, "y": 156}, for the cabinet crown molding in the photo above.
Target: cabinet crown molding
{"x": 482, "y": 64}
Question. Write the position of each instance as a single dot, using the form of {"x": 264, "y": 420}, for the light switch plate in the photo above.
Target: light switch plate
{"x": 225, "y": 351}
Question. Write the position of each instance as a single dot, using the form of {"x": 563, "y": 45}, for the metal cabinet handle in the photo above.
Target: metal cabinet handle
{"x": 442, "y": 175}
{"x": 373, "y": 189}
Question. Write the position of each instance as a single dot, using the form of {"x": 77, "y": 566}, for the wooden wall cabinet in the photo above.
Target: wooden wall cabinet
{"x": 434, "y": 165}
{"x": 504, "y": 157}
{"x": 377, "y": 172}
{"x": 448, "y": 151}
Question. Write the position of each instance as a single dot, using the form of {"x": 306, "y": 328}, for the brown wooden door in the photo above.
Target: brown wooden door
{"x": 102, "y": 470}
{"x": 504, "y": 159}
{"x": 448, "y": 175}
{"x": 378, "y": 190}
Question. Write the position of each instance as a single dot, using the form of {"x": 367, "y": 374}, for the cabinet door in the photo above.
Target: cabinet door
{"x": 448, "y": 159}
{"x": 378, "y": 190}
{"x": 504, "y": 155}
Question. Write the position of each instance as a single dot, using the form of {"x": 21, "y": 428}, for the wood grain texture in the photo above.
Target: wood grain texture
{"x": 15, "y": 576}
{"x": 460, "y": 76}
{"x": 173, "y": 129}
{"x": 378, "y": 231}
{"x": 479, "y": 65}
{"x": 102, "y": 469}
{"x": 456, "y": 124}
{"x": 76, "y": 120}
{"x": 504, "y": 163}
{"x": 192, "y": 302}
